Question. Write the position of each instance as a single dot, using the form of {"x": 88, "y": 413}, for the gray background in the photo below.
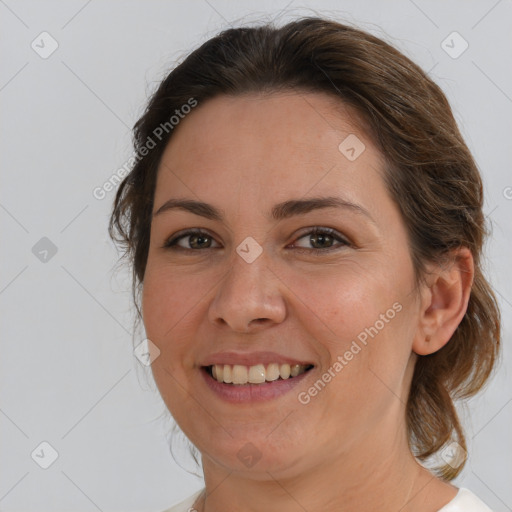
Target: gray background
{"x": 68, "y": 375}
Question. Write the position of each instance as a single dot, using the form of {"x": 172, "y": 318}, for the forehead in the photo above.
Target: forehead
{"x": 269, "y": 147}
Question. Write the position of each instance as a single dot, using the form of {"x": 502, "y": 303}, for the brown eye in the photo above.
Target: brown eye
{"x": 196, "y": 240}
{"x": 323, "y": 239}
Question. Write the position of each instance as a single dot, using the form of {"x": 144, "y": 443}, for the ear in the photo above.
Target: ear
{"x": 444, "y": 301}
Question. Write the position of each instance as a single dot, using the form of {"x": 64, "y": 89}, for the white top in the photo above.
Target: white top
{"x": 464, "y": 501}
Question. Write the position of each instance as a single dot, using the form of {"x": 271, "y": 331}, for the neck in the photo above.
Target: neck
{"x": 368, "y": 476}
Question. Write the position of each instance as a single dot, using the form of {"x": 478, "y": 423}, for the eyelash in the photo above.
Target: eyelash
{"x": 171, "y": 243}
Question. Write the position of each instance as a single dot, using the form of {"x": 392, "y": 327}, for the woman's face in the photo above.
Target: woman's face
{"x": 257, "y": 287}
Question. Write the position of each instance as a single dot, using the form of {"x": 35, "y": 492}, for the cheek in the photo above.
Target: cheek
{"x": 167, "y": 295}
{"x": 358, "y": 318}
{"x": 167, "y": 311}
{"x": 168, "y": 303}
{"x": 342, "y": 301}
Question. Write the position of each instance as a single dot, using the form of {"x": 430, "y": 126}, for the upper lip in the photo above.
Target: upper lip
{"x": 251, "y": 359}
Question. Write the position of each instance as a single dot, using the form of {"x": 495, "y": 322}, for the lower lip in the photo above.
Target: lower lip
{"x": 250, "y": 393}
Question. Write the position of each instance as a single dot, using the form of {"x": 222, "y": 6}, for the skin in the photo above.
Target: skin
{"x": 347, "y": 449}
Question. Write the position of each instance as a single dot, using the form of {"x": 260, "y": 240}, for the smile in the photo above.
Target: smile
{"x": 258, "y": 374}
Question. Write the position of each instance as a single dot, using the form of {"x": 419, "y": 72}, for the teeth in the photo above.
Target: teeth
{"x": 272, "y": 372}
{"x": 227, "y": 374}
{"x": 284, "y": 371}
{"x": 239, "y": 374}
{"x": 257, "y": 374}
{"x": 295, "y": 370}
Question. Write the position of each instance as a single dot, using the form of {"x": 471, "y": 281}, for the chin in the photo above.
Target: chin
{"x": 256, "y": 456}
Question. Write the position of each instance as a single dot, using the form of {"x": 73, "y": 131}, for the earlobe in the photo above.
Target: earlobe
{"x": 444, "y": 303}
{"x": 422, "y": 345}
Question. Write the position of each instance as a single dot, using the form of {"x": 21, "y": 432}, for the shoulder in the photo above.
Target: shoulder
{"x": 185, "y": 505}
{"x": 465, "y": 501}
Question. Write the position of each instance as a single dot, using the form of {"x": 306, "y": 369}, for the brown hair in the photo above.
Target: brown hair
{"x": 430, "y": 174}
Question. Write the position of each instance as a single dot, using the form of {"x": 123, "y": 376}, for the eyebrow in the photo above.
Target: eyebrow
{"x": 279, "y": 212}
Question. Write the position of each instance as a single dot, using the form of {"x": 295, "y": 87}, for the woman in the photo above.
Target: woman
{"x": 305, "y": 226}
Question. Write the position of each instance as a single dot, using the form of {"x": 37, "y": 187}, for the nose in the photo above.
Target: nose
{"x": 249, "y": 297}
